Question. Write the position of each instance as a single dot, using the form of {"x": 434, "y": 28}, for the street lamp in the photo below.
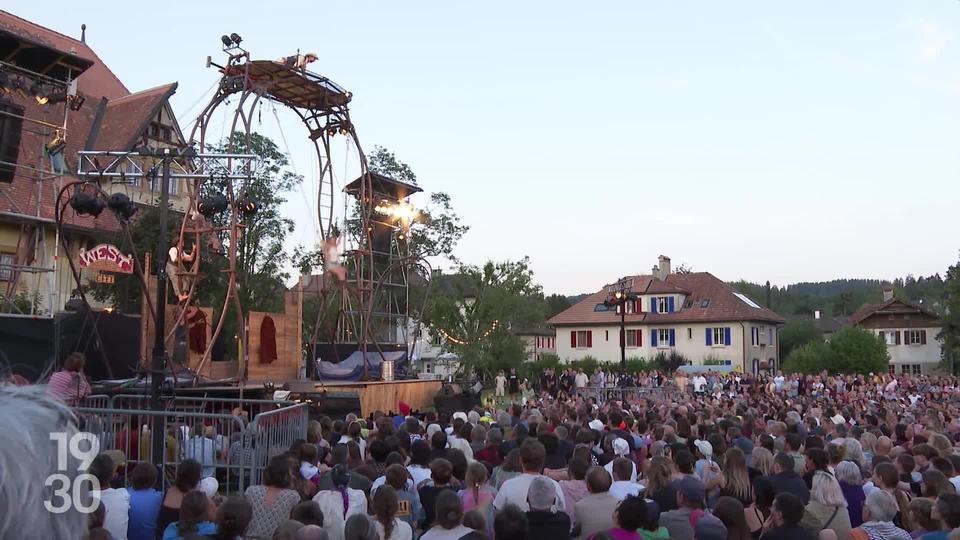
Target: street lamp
{"x": 619, "y": 300}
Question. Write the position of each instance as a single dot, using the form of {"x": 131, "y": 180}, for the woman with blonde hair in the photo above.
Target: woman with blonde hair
{"x": 762, "y": 460}
{"x": 735, "y": 482}
{"x": 868, "y": 443}
{"x": 477, "y": 494}
{"x": 827, "y": 508}
{"x": 659, "y": 483}
{"x": 942, "y": 444}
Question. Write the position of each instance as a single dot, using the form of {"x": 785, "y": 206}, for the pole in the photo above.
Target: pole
{"x": 623, "y": 337}
{"x": 159, "y": 347}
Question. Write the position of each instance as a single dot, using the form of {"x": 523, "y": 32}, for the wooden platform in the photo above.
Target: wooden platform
{"x": 384, "y": 396}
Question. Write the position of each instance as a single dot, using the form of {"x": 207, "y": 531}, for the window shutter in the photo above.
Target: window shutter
{"x": 653, "y": 305}
{"x": 897, "y": 337}
{"x": 726, "y": 336}
{"x": 637, "y": 306}
{"x": 653, "y": 337}
{"x": 670, "y": 304}
{"x": 573, "y": 339}
{"x": 709, "y": 337}
{"x": 923, "y": 337}
{"x": 673, "y": 337}
{"x": 639, "y": 338}
{"x": 589, "y": 338}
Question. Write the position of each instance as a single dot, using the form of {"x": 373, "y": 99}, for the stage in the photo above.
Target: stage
{"x": 372, "y": 395}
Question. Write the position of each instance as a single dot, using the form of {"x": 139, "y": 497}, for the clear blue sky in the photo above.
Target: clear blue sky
{"x": 789, "y": 141}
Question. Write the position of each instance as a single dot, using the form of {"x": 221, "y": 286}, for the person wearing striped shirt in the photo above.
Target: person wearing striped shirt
{"x": 70, "y": 384}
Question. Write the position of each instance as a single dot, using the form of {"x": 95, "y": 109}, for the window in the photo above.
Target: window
{"x": 663, "y": 305}
{"x": 718, "y": 336}
{"x": 10, "y": 129}
{"x": 915, "y": 369}
{"x": 914, "y": 337}
{"x": 663, "y": 337}
{"x": 606, "y": 335}
{"x": 153, "y": 184}
{"x": 600, "y": 307}
{"x": 890, "y": 338}
{"x": 705, "y": 303}
{"x": 770, "y": 336}
{"x": 892, "y": 369}
{"x": 583, "y": 339}
{"x": 632, "y": 338}
{"x": 6, "y": 270}
{"x": 754, "y": 336}
{"x": 688, "y": 303}
{"x": 689, "y": 333}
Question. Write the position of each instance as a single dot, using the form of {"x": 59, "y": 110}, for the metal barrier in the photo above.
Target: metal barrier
{"x": 272, "y": 433}
{"x": 248, "y": 408}
{"x": 97, "y": 401}
{"x": 228, "y": 448}
{"x": 603, "y": 394}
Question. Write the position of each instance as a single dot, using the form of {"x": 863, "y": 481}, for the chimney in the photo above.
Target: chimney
{"x": 83, "y": 33}
{"x": 887, "y": 293}
{"x": 663, "y": 269}
{"x": 816, "y": 314}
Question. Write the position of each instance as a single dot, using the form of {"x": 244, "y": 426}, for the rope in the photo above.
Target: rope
{"x": 303, "y": 194}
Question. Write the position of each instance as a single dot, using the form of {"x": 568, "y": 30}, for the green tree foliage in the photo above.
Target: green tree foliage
{"x": 383, "y": 161}
{"x": 555, "y": 303}
{"x": 795, "y": 334}
{"x": 479, "y": 309}
{"x": 850, "y": 350}
{"x": 950, "y": 320}
{"x": 668, "y": 363}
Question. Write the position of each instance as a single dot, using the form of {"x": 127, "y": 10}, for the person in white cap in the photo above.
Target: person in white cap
{"x": 621, "y": 449}
{"x": 705, "y": 468}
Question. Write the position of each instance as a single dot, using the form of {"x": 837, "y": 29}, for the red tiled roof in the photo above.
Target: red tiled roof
{"x": 894, "y": 305}
{"x": 127, "y": 117}
{"x": 98, "y": 81}
{"x": 723, "y": 305}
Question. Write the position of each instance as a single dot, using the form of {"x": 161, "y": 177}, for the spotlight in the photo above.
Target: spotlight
{"x": 38, "y": 92}
{"x": 122, "y": 206}
{"x": 75, "y": 102}
{"x": 247, "y": 205}
{"x": 212, "y": 204}
{"x": 226, "y": 40}
{"x": 56, "y": 145}
{"x": 85, "y": 204}
{"x": 235, "y": 37}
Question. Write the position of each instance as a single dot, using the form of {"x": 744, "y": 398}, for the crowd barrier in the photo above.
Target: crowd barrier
{"x": 603, "y": 394}
{"x": 214, "y": 431}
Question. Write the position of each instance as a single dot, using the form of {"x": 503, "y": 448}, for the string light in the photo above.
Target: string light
{"x": 446, "y": 335}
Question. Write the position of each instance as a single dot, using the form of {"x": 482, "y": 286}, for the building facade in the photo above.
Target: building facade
{"x": 909, "y": 331}
{"x": 38, "y": 156}
{"x": 537, "y": 342}
{"x": 694, "y": 314}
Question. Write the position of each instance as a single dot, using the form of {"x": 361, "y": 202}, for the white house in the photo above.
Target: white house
{"x": 537, "y": 341}
{"x": 909, "y": 330}
{"x": 694, "y": 314}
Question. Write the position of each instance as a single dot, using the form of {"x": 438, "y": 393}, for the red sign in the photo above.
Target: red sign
{"x": 107, "y": 258}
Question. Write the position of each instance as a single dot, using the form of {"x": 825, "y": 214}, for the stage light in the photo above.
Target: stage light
{"x": 247, "y": 205}
{"x": 235, "y": 37}
{"x": 39, "y": 93}
{"x": 226, "y": 40}
{"x": 56, "y": 145}
{"x": 75, "y": 102}
{"x": 122, "y": 206}
{"x": 85, "y": 204}
{"x": 212, "y": 204}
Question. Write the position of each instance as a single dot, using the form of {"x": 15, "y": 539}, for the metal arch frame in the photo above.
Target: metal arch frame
{"x": 322, "y": 124}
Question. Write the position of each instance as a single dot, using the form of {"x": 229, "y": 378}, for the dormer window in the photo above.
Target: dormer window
{"x": 663, "y": 304}
{"x": 705, "y": 303}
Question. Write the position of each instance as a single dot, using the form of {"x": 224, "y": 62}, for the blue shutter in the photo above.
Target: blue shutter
{"x": 670, "y": 306}
{"x": 673, "y": 333}
{"x": 653, "y": 337}
{"x": 709, "y": 337}
{"x": 653, "y": 305}
{"x": 726, "y": 336}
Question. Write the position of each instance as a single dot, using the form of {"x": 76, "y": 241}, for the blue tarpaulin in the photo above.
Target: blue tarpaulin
{"x": 351, "y": 368}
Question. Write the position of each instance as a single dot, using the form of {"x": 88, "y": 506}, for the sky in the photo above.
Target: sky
{"x": 782, "y": 141}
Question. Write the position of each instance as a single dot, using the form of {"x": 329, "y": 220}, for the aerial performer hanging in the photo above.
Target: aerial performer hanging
{"x": 176, "y": 270}
{"x": 331, "y": 256}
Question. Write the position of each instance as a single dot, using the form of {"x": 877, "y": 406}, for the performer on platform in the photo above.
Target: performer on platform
{"x": 298, "y": 61}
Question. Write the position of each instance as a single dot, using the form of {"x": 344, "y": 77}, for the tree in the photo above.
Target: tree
{"x": 851, "y": 350}
{"x": 950, "y": 320}
{"x": 555, "y": 303}
{"x": 384, "y": 162}
{"x": 797, "y": 333}
{"x": 475, "y": 314}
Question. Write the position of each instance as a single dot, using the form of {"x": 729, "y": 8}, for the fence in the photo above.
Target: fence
{"x": 228, "y": 447}
{"x": 603, "y": 394}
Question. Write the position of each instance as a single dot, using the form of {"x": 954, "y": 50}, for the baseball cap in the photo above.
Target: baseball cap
{"x": 691, "y": 488}
{"x": 839, "y": 419}
{"x": 704, "y": 447}
{"x": 209, "y": 485}
{"x": 744, "y": 444}
{"x": 596, "y": 425}
{"x": 709, "y": 527}
{"x": 620, "y": 447}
